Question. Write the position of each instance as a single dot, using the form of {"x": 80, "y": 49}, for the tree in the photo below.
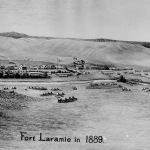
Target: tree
{"x": 17, "y": 75}
{"x": 122, "y": 79}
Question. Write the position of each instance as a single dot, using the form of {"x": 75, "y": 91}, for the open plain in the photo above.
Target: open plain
{"x": 122, "y": 118}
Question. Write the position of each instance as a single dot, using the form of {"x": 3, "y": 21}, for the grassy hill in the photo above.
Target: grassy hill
{"x": 15, "y": 46}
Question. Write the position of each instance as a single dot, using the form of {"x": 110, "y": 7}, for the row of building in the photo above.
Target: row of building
{"x": 114, "y": 72}
{"x": 41, "y": 70}
{"x": 141, "y": 73}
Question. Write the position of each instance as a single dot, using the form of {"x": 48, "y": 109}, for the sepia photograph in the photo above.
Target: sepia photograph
{"x": 74, "y": 75}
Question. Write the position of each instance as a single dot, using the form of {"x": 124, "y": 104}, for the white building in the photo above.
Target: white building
{"x": 33, "y": 69}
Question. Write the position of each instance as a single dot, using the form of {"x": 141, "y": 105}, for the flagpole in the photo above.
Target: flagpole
{"x": 57, "y": 64}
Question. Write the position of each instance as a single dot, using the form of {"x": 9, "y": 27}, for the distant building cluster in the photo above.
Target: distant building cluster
{"x": 141, "y": 73}
{"x": 79, "y": 64}
{"x": 117, "y": 71}
{"x": 42, "y": 71}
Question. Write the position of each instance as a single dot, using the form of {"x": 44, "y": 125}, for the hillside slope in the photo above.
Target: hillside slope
{"x": 108, "y": 52}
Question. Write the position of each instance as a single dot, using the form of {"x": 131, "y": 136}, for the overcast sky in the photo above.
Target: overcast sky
{"x": 115, "y": 19}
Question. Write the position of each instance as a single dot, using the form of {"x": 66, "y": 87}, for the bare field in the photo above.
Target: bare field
{"x": 122, "y": 118}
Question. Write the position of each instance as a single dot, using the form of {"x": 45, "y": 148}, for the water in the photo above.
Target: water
{"x": 122, "y": 118}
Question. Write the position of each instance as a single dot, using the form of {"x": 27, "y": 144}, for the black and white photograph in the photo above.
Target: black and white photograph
{"x": 74, "y": 74}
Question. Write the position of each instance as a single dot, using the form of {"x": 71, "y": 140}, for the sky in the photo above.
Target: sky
{"x": 87, "y": 19}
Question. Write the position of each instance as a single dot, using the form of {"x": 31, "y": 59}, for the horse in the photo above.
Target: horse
{"x": 5, "y": 88}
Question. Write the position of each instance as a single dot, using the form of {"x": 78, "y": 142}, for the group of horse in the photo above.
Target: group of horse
{"x": 5, "y": 88}
{"x": 66, "y": 100}
{"x": 13, "y": 87}
{"x": 74, "y": 88}
{"x": 70, "y": 99}
{"x": 37, "y": 88}
{"x": 55, "y": 89}
{"x": 125, "y": 89}
{"x": 60, "y": 95}
{"x": 51, "y": 93}
{"x": 11, "y": 90}
{"x": 146, "y": 89}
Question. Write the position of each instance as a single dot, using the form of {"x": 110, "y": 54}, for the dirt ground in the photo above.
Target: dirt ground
{"x": 122, "y": 118}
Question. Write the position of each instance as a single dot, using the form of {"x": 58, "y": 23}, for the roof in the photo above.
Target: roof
{"x": 35, "y": 73}
{"x": 101, "y": 81}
